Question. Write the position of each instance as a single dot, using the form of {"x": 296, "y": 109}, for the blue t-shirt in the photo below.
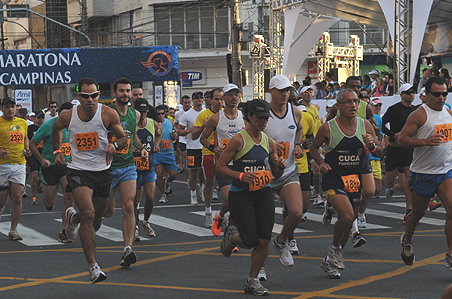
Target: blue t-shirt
{"x": 379, "y": 122}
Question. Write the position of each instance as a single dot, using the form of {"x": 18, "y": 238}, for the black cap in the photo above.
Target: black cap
{"x": 197, "y": 94}
{"x": 260, "y": 108}
{"x": 8, "y": 100}
{"x": 40, "y": 113}
{"x": 141, "y": 105}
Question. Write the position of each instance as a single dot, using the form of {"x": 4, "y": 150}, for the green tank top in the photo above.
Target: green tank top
{"x": 124, "y": 157}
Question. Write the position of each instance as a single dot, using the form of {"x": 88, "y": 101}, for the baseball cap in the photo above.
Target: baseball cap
{"x": 279, "y": 82}
{"x": 330, "y": 103}
{"x": 229, "y": 87}
{"x": 306, "y": 88}
{"x": 257, "y": 107}
{"x": 141, "y": 105}
{"x": 8, "y": 100}
{"x": 374, "y": 72}
{"x": 40, "y": 114}
{"x": 375, "y": 102}
{"x": 405, "y": 87}
{"x": 197, "y": 94}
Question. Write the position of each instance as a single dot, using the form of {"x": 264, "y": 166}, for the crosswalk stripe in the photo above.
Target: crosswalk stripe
{"x": 426, "y": 220}
{"x": 180, "y": 226}
{"x": 30, "y": 236}
{"x": 403, "y": 205}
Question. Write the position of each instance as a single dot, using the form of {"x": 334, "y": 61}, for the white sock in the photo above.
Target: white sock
{"x": 334, "y": 247}
{"x": 193, "y": 193}
{"x": 208, "y": 210}
{"x": 94, "y": 266}
{"x": 355, "y": 226}
{"x": 361, "y": 215}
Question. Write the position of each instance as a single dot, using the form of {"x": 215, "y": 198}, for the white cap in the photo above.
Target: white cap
{"x": 422, "y": 92}
{"x": 405, "y": 87}
{"x": 303, "y": 108}
{"x": 279, "y": 82}
{"x": 330, "y": 103}
{"x": 306, "y": 88}
{"x": 179, "y": 107}
{"x": 374, "y": 72}
{"x": 31, "y": 113}
{"x": 230, "y": 87}
{"x": 75, "y": 102}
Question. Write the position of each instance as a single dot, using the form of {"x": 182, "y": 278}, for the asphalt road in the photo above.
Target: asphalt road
{"x": 184, "y": 260}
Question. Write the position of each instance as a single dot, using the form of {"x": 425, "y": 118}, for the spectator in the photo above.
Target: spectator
{"x": 445, "y": 74}
{"x": 366, "y": 83}
{"x": 426, "y": 73}
{"x": 390, "y": 87}
{"x": 379, "y": 89}
{"x": 321, "y": 93}
{"x": 330, "y": 92}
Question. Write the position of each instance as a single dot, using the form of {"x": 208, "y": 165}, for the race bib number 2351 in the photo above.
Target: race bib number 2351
{"x": 87, "y": 141}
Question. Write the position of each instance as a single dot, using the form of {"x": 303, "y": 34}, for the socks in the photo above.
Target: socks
{"x": 208, "y": 210}
{"x": 355, "y": 226}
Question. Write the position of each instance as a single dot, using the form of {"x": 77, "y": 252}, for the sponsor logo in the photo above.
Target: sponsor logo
{"x": 159, "y": 63}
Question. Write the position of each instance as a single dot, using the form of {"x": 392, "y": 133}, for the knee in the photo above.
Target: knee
{"x": 296, "y": 213}
{"x": 250, "y": 241}
{"x": 109, "y": 211}
{"x": 128, "y": 207}
{"x": 172, "y": 175}
{"x": 87, "y": 215}
{"x": 347, "y": 217}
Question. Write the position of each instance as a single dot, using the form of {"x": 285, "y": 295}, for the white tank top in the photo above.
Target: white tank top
{"x": 284, "y": 130}
{"x": 227, "y": 128}
{"x": 434, "y": 159}
{"x": 88, "y": 141}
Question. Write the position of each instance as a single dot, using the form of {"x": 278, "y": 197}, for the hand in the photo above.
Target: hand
{"x": 396, "y": 137}
{"x": 174, "y": 135}
{"x": 45, "y": 163}
{"x": 249, "y": 177}
{"x": 59, "y": 159}
{"x": 434, "y": 140}
{"x": 298, "y": 152}
{"x": 110, "y": 149}
{"x": 306, "y": 143}
{"x": 27, "y": 153}
{"x": 156, "y": 149}
{"x": 218, "y": 151}
{"x": 144, "y": 154}
{"x": 368, "y": 140}
{"x": 279, "y": 146}
{"x": 281, "y": 162}
{"x": 3, "y": 152}
{"x": 325, "y": 167}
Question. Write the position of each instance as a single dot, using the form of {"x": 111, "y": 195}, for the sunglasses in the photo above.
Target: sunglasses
{"x": 409, "y": 92}
{"x": 308, "y": 91}
{"x": 53, "y": 106}
{"x": 163, "y": 113}
{"x": 195, "y": 98}
{"x": 348, "y": 102}
{"x": 86, "y": 96}
{"x": 436, "y": 94}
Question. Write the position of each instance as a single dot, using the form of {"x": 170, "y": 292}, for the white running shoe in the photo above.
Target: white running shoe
{"x": 285, "y": 257}
{"x": 96, "y": 274}
{"x": 293, "y": 248}
{"x": 262, "y": 274}
{"x": 335, "y": 257}
{"x": 71, "y": 228}
{"x": 163, "y": 199}
{"x": 362, "y": 222}
{"x": 193, "y": 200}
{"x": 209, "y": 220}
{"x": 215, "y": 194}
{"x": 146, "y": 226}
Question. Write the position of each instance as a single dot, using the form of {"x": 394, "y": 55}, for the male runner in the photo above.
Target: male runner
{"x": 186, "y": 105}
{"x": 32, "y": 162}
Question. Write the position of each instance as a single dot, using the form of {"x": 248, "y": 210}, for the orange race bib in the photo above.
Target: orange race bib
{"x": 351, "y": 183}
{"x": 191, "y": 160}
{"x": 224, "y": 143}
{"x": 87, "y": 141}
{"x": 446, "y": 130}
{"x": 124, "y": 150}
{"x": 66, "y": 149}
{"x": 166, "y": 144}
{"x": 16, "y": 137}
{"x": 41, "y": 144}
{"x": 285, "y": 151}
{"x": 263, "y": 178}
{"x": 140, "y": 164}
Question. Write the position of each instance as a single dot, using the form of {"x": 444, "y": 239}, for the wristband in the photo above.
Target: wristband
{"x": 241, "y": 176}
{"x": 299, "y": 144}
{"x": 56, "y": 152}
{"x": 375, "y": 148}
{"x": 211, "y": 148}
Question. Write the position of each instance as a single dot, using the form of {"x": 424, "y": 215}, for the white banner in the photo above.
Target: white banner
{"x": 24, "y": 98}
{"x": 387, "y": 6}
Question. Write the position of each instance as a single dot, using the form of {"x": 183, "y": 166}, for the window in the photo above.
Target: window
{"x": 192, "y": 25}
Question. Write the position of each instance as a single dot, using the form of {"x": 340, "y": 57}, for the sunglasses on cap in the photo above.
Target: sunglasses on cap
{"x": 86, "y": 96}
{"x": 308, "y": 91}
{"x": 436, "y": 94}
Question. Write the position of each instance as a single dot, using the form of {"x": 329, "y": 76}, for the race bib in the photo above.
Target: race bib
{"x": 285, "y": 151}
{"x": 191, "y": 160}
{"x": 16, "y": 137}
{"x": 224, "y": 143}
{"x": 124, "y": 150}
{"x": 263, "y": 178}
{"x": 166, "y": 144}
{"x": 446, "y": 130}
{"x": 351, "y": 183}
{"x": 66, "y": 149}
{"x": 87, "y": 141}
{"x": 140, "y": 164}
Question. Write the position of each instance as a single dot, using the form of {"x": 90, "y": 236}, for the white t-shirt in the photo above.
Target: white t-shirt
{"x": 48, "y": 117}
{"x": 188, "y": 121}
{"x": 177, "y": 118}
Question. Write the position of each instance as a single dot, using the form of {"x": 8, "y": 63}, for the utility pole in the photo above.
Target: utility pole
{"x": 2, "y": 20}
{"x": 236, "y": 38}
{"x": 84, "y": 16}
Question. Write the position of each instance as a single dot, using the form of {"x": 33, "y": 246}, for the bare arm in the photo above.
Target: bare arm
{"x": 323, "y": 135}
{"x": 277, "y": 164}
{"x": 233, "y": 147}
{"x": 210, "y": 125}
{"x": 181, "y": 131}
{"x": 158, "y": 136}
{"x": 371, "y": 141}
{"x": 112, "y": 122}
{"x": 333, "y": 113}
{"x": 413, "y": 123}
{"x": 35, "y": 151}
{"x": 298, "y": 151}
{"x": 62, "y": 121}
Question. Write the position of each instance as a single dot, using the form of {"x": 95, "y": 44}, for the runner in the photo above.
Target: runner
{"x": 32, "y": 163}
{"x": 285, "y": 127}
{"x": 347, "y": 137}
{"x": 251, "y": 200}
{"x": 53, "y": 175}
{"x": 186, "y": 105}
{"x": 14, "y": 147}
{"x": 428, "y": 131}
{"x": 151, "y": 137}
{"x": 88, "y": 170}
{"x": 124, "y": 172}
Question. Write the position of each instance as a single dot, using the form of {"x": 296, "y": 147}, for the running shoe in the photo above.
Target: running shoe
{"x": 217, "y": 224}
{"x": 167, "y": 187}
{"x": 71, "y": 229}
{"x": 146, "y": 226}
{"x": 389, "y": 192}
{"x": 62, "y": 237}
{"x": 253, "y": 286}
{"x": 136, "y": 235}
{"x": 327, "y": 214}
{"x": 14, "y": 235}
{"x": 226, "y": 219}
{"x": 293, "y": 248}
{"x": 285, "y": 257}
{"x": 96, "y": 274}
{"x": 335, "y": 257}
{"x": 235, "y": 249}
{"x": 227, "y": 246}
{"x": 163, "y": 199}
{"x": 358, "y": 240}
{"x": 1, "y": 212}
{"x": 319, "y": 201}
{"x": 331, "y": 272}
{"x": 193, "y": 200}
{"x": 262, "y": 274}
{"x": 24, "y": 195}
{"x": 128, "y": 257}
{"x": 34, "y": 201}
{"x": 407, "y": 251}
{"x": 98, "y": 224}
{"x": 362, "y": 221}
{"x": 215, "y": 194}
{"x": 209, "y": 220}
{"x": 448, "y": 261}
{"x": 434, "y": 204}
{"x": 304, "y": 218}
